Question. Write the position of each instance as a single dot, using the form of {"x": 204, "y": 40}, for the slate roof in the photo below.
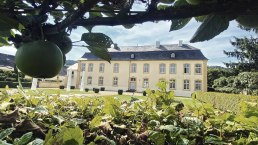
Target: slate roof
{"x": 184, "y": 52}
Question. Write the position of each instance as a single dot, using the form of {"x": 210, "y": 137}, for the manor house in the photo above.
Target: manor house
{"x": 141, "y": 67}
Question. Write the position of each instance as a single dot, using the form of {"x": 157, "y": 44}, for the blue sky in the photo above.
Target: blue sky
{"x": 148, "y": 33}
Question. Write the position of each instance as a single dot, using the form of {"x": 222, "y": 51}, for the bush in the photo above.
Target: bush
{"x": 102, "y": 89}
{"x": 14, "y": 84}
{"x": 120, "y": 92}
{"x": 96, "y": 90}
{"x": 72, "y": 87}
{"x": 144, "y": 93}
{"x": 86, "y": 89}
{"x": 61, "y": 87}
{"x": 225, "y": 101}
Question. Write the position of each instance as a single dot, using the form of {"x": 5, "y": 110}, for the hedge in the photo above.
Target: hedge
{"x": 14, "y": 84}
{"x": 224, "y": 101}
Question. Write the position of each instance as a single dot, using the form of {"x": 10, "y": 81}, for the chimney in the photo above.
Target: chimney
{"x": 180, "y": 43}
{"x": 157, "y": 44}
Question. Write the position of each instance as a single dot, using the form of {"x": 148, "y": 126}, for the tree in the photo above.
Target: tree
{"x": 246, "y": 52}
{"x": 217, "y": 72}
{"x": 24, "y": 21}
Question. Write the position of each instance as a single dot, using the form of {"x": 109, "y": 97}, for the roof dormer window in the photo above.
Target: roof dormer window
{"x": 132, "y": 56}
{"x": 172, "y": 55}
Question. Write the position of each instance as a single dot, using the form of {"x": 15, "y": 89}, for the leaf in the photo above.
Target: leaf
{"x": 37, "y": 142}
{"x": 179, "y": 24}
{"x": 211, "y": 27}
{"x": 99, "y": 40}
{"x": 157, "y": 137}
{"x": 128, "y": 26}
{"x": 100, "y": 52}
{"x": 95, "y": 122}
{"x": 6, "y": 24}
{"x": 104, "y": 138}
{"x": 73, "y": 133}
{"x": 3, "y": 41}
{"x": 167, "y": 127}
{"x": 6, "y": 132}
{"x": 24, "y": 139}
{"x": 213, "y": 140}
{"x": 4, "y": 142}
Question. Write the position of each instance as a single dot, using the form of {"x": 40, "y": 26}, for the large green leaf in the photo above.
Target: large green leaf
{"x": 111, "y": 142}
{"x": 6, "y": 132}
{"x": 95, "y": 122}
{"x": 179, "y": 23}
{"x": 211, "y": 27}
{"x": 97, "y": 40}
{"x": 24, "y": 139}
{"x": 157, "y": 137}
{"x": 73, "y": 133}
{"x": 36, "y": 142}
{"x": 100, "y": 52}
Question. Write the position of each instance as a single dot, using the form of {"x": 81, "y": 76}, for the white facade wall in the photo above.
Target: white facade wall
{"x": 154, "y": 75}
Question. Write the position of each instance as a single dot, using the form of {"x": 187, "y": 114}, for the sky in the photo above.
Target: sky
{"x": 148, "y": 33}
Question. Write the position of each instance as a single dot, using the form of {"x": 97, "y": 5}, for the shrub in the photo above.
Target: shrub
{"x": 61, "y": 87}
{"x": 144, "y": 93}
{"x": 86, "y": 89}
{"x": 102, "y": 89}
{"x": 225, "y": 101}
{"x": 96, "y": 90}
{"x": 72, "y": 87}
{"x": 14, "y": 84}
{"x": 120, "y": 92}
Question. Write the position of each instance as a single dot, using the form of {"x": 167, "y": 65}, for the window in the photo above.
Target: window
{"x": 186, "y": 84}
{"x": 83, "y": 66}
{"x": 101, "y": 81}
{"x": 89, "y": 80}
{"x": 198, "y": 85}
{"x": 187, "y": 68}
{"x": 116, "y": 68}
{"x": 90, "y": 67}
{"x": 162, "y": 68}
{"x": 172, "y": 84}
{"x": 198, "y": 68}
{"x": 132, "y": 56}
{"x": 172, "y": 68}
{"x": 115, "y": 81}
{"x": 146, "y": 68}
{"x": 145, "y": 83}
{"x": 133, "y": 68}
{"x": 101, "y": 67}
{"x": 72, "y": 74}
{"x": 172, "y": 55}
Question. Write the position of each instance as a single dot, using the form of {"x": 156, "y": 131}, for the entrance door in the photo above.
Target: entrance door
{"x": 132, "y": 84}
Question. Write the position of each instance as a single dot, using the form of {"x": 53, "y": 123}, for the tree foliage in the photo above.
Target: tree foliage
{"x": 246, "y": 52}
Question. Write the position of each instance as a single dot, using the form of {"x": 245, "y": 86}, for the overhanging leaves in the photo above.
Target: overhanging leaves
{"x": 98, "y": 44}
{"x": 179, "y": 23}
{"x": 100, "y": 52}
{"x": 211, "y": 27}
{"x": 97, "y": 40}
